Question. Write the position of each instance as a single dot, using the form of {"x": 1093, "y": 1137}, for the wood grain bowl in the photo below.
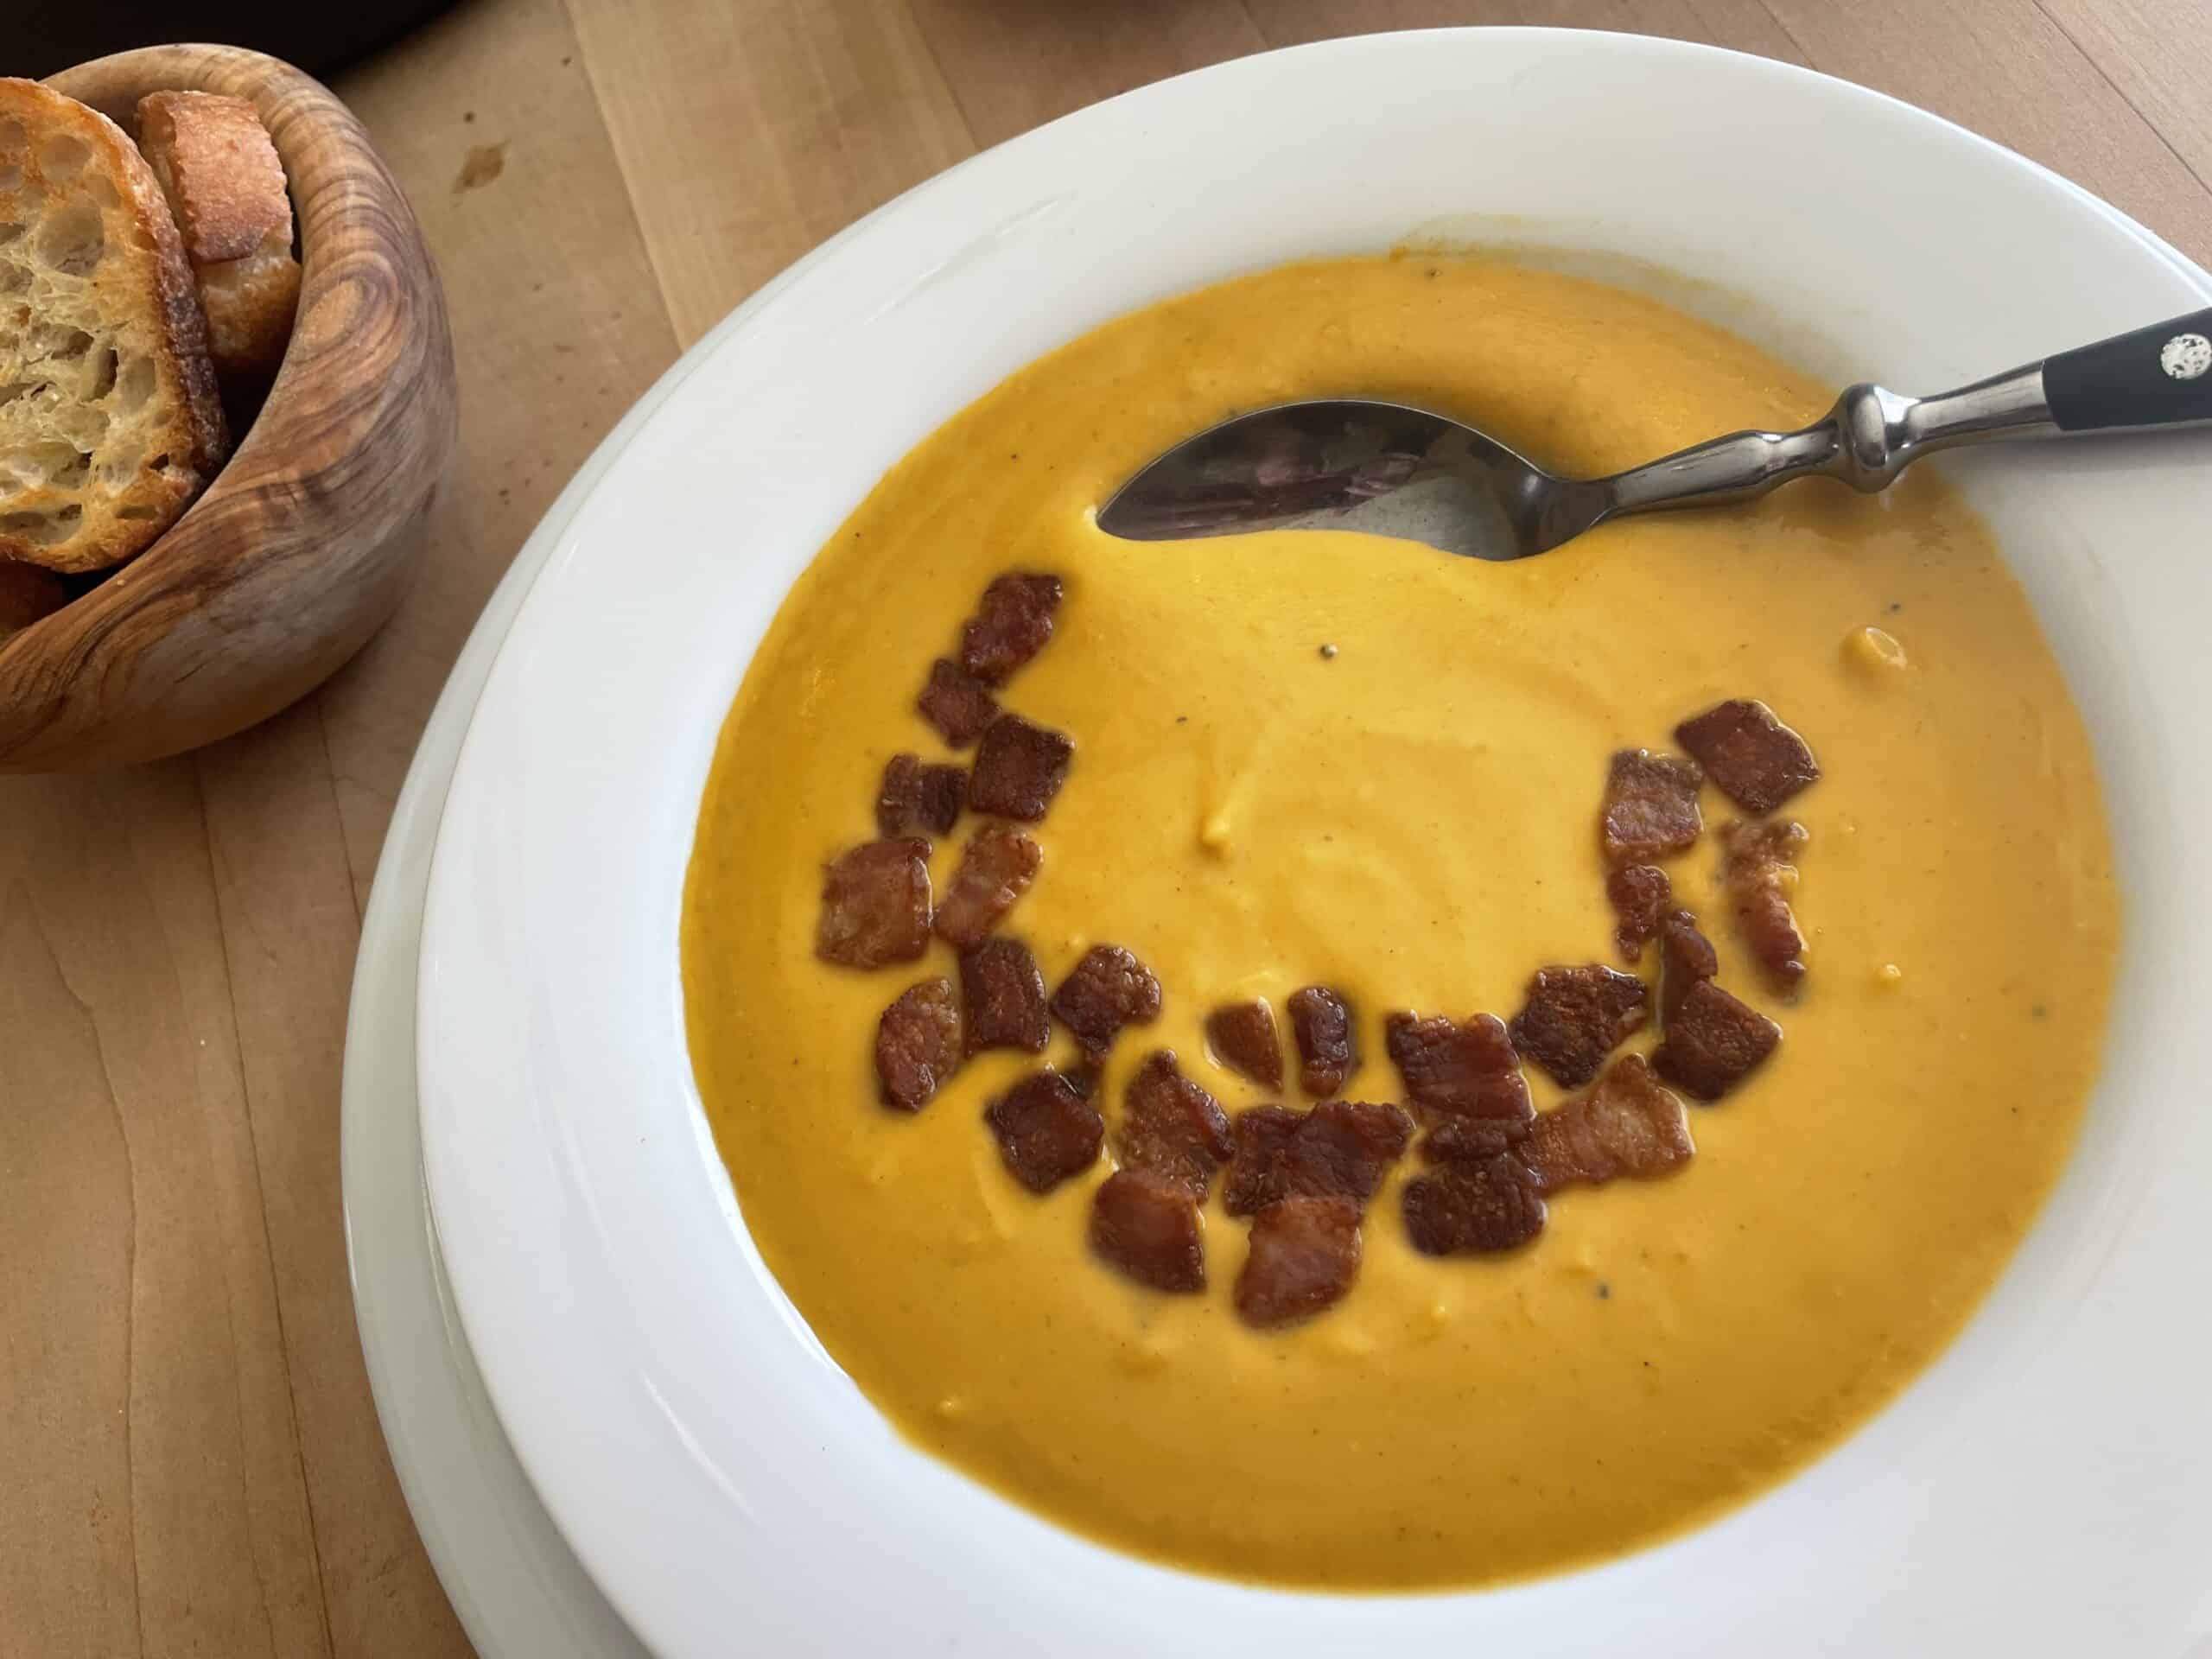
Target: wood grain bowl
{"x": 301, "y": 546}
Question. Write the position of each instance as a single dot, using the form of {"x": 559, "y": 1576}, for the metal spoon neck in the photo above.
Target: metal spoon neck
{"x": 1870, "y": 436}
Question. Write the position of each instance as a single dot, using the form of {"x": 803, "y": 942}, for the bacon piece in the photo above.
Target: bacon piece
{"x": 1641, "y": 895}
{"x": 1010, "y": 625}
{"x": 1243, "y": 1037}
{"x": 958, "y": 705}
{"x": 1650, "y": 809}
{"x": 1757, "y": 762}
{"x": 996, "y": 868}
{"x": 876, "y": 904}
{"x": 1338, "y": 1150}
{"x": 1473, "y": 1141}
{"x": 1005, "y": 997}
{"x": 1468, "y": 1070}
{"x": 1263, "y": 1136}
{"x": 1046, "y": 1128}
{"x": 1712, "y": 1042}
{"x": 1472, "y": 1209}
{"x": 1686, "y": 958}
{"x": 1343, "y": 1148}
{"x": 1629, "y": 1124}
{"x": 1173, "y": 1127}
{"x": 1304, "y": 1256}
{"x": 1328, "y": 1050}
{"x": 1019, "y": 769}
{"x": 1760, "y": 869}
{"x": 917, "y": 1043}
{"x": 1108, "y": 989}
{"x": 918, "y": 800}
{"x": 1145, "y": 1225}
{"x": 1576, "y": 1016}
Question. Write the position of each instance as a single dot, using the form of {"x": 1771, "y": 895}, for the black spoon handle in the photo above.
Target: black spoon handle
{"x": 2153, "y": 377}
{"x": 2159, "y": 376}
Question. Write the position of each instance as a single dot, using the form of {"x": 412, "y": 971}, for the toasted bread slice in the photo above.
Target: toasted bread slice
{"x": 110, "y": 422}
{"x": 227, "y": 188}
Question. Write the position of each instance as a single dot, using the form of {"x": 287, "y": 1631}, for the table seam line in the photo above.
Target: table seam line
{"x": 261, "y": 1198}
{"x": 629, "y": 190}
{"x": 2120, "y": 92}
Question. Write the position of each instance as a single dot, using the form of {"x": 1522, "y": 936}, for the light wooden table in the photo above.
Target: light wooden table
{"x": 189, "y": 1460}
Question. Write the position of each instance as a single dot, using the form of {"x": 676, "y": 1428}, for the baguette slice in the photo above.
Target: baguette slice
{"x": 227, "y": 188}
{"x": 109, "y": 422}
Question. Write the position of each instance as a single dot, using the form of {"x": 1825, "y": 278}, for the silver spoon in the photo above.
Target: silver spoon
{"x": 1348, "y": 464}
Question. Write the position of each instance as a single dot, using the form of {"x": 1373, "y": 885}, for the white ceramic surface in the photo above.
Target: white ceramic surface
{"x": 2046, "y": 1487}
{"x": 517, "y": 1587}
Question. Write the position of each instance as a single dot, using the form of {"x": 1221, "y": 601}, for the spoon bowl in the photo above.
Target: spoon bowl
{"x": 1389, "y": 470}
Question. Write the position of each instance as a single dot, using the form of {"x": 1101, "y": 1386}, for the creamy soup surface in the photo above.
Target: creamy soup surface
{"x": 1412, "y": 817}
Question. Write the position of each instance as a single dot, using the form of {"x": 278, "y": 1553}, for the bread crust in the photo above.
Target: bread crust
{"x": 250, "y": 304}
{"x": 109, "y": 418}
{"x": 214, "y": 161}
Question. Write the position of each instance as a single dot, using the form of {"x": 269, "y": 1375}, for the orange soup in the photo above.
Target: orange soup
{"x": 1412, "y": 817}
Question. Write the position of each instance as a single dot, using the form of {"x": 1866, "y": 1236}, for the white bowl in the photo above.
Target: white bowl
{"x": 2045, "y": 1487}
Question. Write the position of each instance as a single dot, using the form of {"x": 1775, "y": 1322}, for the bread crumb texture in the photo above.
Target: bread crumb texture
{"x": 109, "y": 422}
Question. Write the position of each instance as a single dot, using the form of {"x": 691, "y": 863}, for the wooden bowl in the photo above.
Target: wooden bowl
{"x": 301, "y": 546}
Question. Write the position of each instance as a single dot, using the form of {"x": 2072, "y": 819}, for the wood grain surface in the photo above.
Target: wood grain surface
{"x": 298, "y": 551}
{"x": 189, "y": 1461}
